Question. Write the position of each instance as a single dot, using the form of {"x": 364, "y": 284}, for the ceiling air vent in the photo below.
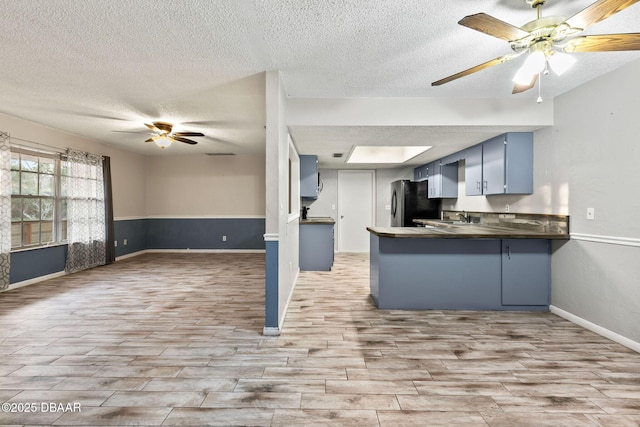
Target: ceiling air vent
{"x": 220, "y": 154}
{"x": 337, "y": 155}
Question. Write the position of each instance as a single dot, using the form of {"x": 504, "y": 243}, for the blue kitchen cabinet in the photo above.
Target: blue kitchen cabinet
{"x": 309, "y": 177}
{"x": 316, "y": 245}
{"x": 443, "y": 180}
{"x": 473, "y": 170}
{"x": 421, "y": 173}
{"x": 526, "y": 272}
{"x": 507, "y": 164}
{"x": 460, "y": 274}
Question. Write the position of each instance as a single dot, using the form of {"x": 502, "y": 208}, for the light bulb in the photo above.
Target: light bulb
{"x": 534, "y": 63}
{"x": 561, "y": 62}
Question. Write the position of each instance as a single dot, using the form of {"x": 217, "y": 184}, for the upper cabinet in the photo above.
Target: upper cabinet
{"x": 309, "y": 177}
{"x": 507, "y": 164}
{"x": 421, "y": 173}
{"x": 443, "y": 180}
{"x": 473, "y": 170}
{"x": 500, "y": 165}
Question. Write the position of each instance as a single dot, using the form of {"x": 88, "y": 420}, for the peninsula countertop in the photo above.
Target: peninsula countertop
{"x": 448, "y": 230}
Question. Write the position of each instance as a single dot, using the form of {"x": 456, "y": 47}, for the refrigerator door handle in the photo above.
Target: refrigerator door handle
{"x": 394, "y": 204}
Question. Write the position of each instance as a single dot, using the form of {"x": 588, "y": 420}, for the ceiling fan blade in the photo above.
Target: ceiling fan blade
{"x": 517, "y": 88}
{"x": 185, "y": 140}
{"x": 604, "y": 43}
{"x": 477, "y": 68}
{"x": 493, "y": 26}
{"x": 163, "y": 127}
{"x": 188, "y": 134}
{"x": 598, "y": 11}
{"x": 152, "y": 127}
{"x": 151, "y": 139}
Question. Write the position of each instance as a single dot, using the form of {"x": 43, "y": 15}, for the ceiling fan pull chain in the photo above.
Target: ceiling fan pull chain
{"x": 539, "y": 100}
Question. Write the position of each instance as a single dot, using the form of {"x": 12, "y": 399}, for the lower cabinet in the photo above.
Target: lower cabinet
{"x": 526, "y": 272}
{"x": 316, "y": 247}
{"x": 460, "y": 274}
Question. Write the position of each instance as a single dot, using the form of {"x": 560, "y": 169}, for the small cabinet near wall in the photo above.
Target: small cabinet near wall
{"x": 421, "y": 173}
{"x": 507, "y": 164}
{"x": 443, "y": 180}
{"x": 316, "y": 245}
{"x": 526, "y": 272}
{"x": 309, "y": 177}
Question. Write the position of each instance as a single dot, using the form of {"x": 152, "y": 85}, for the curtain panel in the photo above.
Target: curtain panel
{"x": 5, "y": 209}
{"x": 83, "y": 188}
{"x": 108, "y": 206}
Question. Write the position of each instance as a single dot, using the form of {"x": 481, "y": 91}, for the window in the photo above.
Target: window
{"x": 38, "y": 210}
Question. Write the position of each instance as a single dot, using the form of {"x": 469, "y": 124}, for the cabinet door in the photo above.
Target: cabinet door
{"x": 315, "y": 247}
{"x": 420, "y": 173}
{"x": 449, "y": 180}
{"x": 435, "y": 185}
{"x": 473, "y": 171}
{"x": 493, "y": 165}
{"x": 526, "y": 272}
{"x": 309, "y": 177}
{"x": 519, "y": 163}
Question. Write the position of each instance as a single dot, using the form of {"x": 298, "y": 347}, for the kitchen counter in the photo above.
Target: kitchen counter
{"x": 316, "y": 244}
{"x": 460, "y": 267}
{"x": 317, "y": 220}
{"x": 434, "y": 229}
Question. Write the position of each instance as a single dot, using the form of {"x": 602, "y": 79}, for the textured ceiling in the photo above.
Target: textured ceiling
{"x": 103, "y": 68}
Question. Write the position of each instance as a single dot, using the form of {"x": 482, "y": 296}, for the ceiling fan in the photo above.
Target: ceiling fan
{"x": 549, "y": 41}
{"x": 163, "y": 135}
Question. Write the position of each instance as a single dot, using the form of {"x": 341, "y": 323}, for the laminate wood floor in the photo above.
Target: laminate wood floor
{"x": 176, "y": 339}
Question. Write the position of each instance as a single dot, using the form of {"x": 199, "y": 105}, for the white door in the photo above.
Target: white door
{"x": 356, "y": 191}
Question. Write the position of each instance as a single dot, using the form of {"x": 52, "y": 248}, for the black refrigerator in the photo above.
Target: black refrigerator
{"x": 409, "y": 200}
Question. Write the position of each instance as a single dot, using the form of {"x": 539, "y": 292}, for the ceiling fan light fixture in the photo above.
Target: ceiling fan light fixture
{"x": 533, "y": 65}
{"x": 163, "y": 142}
{"x": 561, "y": 62}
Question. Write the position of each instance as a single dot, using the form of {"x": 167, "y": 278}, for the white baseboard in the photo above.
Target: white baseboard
{"x": 34, "y": 280}
{"x": 633, "y": 345}
{"x": 207, "y": 251}
{"x": 286, "y": 307}
{"x": 131, "y": 255}
{"x": 196, "y": 251}
{"x": 270, "y": 331}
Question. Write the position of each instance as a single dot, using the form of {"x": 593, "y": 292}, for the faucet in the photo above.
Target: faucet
{"x": 464, "y": 217}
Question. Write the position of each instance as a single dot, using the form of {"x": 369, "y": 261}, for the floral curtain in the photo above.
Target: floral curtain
{"x": 5, "y": 209}
{"x": 83, "y": 187}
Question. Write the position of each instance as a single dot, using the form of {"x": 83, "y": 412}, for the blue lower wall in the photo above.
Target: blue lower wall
{"x": 271, "y": 285}
{"x": 34, "y": 263}
{"x": 205, "y": 233}
{"x": 150, "y": 233}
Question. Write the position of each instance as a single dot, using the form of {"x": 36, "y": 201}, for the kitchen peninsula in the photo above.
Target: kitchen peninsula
{"x": 502, "y": 262}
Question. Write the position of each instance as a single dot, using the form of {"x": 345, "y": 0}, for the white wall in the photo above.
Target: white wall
{"x": 205, "y": 186}
{"x": 127, "y": 169}
{"x": 594, "y": 153}
{"x": 589, "y": 158}
{"x": 280, "y": 226}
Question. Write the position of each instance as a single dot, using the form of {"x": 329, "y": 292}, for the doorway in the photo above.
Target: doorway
{"x": 356, "y": 201}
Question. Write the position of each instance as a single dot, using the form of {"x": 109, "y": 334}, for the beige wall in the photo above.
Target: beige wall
{"x": 127, "y": 168}
{"x": 205, "y": 186}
